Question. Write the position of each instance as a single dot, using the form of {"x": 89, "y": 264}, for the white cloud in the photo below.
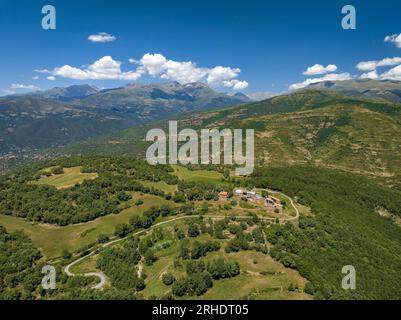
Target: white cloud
{"x": 367, "y": 65}
{"x": 370, "y": 75}
{"x": 236, "y": 84}
{"x": 374, "y": 64}
{"x": 35, "y": 78}
{"x": 7, "y": 92}
{"x": 101, "y": 37}
{"x": 183, "y": 72}
{"x": 319, "y": 69}
{"x": 155, "y": 65}
{"x": 392, "y": 74}
{"x": 103, "y": 69}
{"x": 327, "y": 77}
{"x": 51, "y": 78}
{"x": 187, "y": 72}
{"x": 18, "y": 86}
{"x": 222, "y": 75}
{"x": 396, "y": 39}
{"x": 42, "y": 71}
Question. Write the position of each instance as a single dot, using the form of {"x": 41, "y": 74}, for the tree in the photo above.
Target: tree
{"x": 180, "y": 287}
{"x": 122, "y": 230}
{"x": 122, "y": 196}
{"x": 168, "y": 278}
{"x": 309, "y": 288}
{"x": 149, "y": 257}
{"x": 138, "y": 202}
{"x": 102, "y": 238}
{"x": 193, "y": 230}
{"x": 180, "y": 234}
{"x": 57, "y": 170}
{"x": 66, "y": 254}
{"x": 179, "y": 197}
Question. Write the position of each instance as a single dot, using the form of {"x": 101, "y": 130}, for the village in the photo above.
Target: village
{"x": 270, "y": 203}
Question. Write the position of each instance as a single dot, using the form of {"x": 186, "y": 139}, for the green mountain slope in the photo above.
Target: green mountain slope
{"x": 60, "y": 116}
{"x": 319, "y": 127}
{"x": 389, "y": 90}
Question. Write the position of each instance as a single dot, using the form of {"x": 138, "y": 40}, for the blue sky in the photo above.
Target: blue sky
{"x": 245, "y": 45}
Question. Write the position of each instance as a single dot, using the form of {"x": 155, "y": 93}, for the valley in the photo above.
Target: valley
{"x": 57, "y": 117}
{"x": 116, "y": 227}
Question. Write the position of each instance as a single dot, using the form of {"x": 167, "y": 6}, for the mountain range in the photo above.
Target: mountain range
{"x": 319, "y": 127}
{"x": 63, "y": 115}
{"x": 389, "y": 90}
{"x": 353, "y": 125}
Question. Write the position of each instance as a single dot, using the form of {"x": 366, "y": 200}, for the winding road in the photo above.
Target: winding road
{"x": 102, "y": 276}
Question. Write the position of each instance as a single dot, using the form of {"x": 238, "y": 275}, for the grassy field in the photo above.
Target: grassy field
{"x": 69, "y": 178}
{"x": 52, "y": 240}
{"x": 160, "y": 185}
{"x": 272, "y": 285}
{"x": 197, "y": 175}
{"x": 266, "y": 277}
{"x": 261, "y": 277}
{"x": 85, "y": 266}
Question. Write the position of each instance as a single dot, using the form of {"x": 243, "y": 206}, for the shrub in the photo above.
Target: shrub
{"x": 168, "y": 278}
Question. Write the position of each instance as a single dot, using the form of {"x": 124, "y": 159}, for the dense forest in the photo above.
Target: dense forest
{"x": 344, "y": 229}
{"x": 19, "y": 271}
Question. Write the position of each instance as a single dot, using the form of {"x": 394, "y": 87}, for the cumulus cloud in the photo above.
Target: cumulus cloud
{"x": 154, "y": 65}
{"x": 188, "y": 71}
{"x": 374, "y": 64}
{"x": 370, "y": 75}
{"x": 51, "y": 78}
{"x": 105, "y": 68}
{"x": 396, "y": 39}
{"x": 327, "y": 77}
{"x": 392, "y": 74}
{"x": 101, "y": 37}
{"x": 18, "y": 86}
{"x": 319, "y": 69}
{"x": 236, "y": 84}
{"x": 35, "y": 78}
{"x": 183, "y": 72}
{"x": 221, "y": 75}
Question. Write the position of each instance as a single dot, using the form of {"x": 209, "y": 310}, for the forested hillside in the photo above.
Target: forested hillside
{"x": 317, "y": 127}
{"x": 345, "y": 229}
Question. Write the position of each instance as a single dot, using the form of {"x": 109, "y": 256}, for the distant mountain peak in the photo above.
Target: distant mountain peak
{"x": 69, "y": 93}
{"x": 389, "y": 90}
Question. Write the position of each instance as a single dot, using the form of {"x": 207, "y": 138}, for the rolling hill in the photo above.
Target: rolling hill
{"x": 312, "y": 126}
